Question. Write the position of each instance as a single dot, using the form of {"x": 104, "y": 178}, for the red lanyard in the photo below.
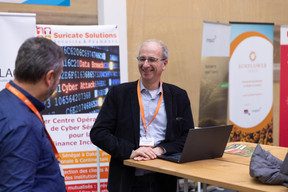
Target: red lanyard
{"x": 33, "y": 108}
{"x": 142, "y": 108}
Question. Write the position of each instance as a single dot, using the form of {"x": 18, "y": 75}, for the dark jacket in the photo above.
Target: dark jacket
{"x": 116, "y": 129}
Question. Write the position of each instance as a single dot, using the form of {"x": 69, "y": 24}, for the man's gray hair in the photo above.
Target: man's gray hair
{"x": 36, "y": 57}
{"x": 165, "y": 52}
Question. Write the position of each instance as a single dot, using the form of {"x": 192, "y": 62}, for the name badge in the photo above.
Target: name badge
{"x": 146, "y": 141}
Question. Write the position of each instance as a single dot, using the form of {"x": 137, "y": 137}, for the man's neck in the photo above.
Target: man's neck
{"x": 151, "y": 86}
{"x": 29, "y": 88}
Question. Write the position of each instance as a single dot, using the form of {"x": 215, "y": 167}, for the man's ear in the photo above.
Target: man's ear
{"x": 165, "y": 63}
{"x": 49, "y": 78}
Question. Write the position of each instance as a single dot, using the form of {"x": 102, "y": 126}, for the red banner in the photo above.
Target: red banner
{"x": 283, "y": 121}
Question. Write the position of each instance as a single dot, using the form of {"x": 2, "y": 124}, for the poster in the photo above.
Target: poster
{"x": 251, "y": 82}
{"x": 283, "y": 121}
{"x": 15, "y": 29}
{"x": 39, "y": 2}
{"x": 91, "y": 67}
{"x": 214, "y": 76}
{"x": 240, "y": 149}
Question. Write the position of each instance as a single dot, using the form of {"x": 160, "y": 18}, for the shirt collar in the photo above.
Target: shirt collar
{"x": 38, "y": 104}
{"x": 159, "y": 90}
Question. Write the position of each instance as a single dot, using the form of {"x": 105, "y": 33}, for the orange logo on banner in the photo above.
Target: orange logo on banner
{"x": 252, "y": 56}
{"x": 44, "y": 32}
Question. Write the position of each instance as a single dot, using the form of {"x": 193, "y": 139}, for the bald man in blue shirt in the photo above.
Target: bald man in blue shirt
{"x": 140, "y": 120}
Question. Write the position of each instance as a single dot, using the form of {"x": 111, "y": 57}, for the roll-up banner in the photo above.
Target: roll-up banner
{"x": 214, "y": 77}
{"x": 251, "y": 82}
{"x": 283, "y": 121}
{"x": 91, "y": 67}
{"x": 15, "y": 29}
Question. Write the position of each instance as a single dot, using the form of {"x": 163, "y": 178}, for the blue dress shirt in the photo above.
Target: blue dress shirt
{"x": 27, "y": 160}
{"x": 158, "y": 126}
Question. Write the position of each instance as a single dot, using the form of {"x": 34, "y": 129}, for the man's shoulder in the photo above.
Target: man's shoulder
{"x": 174, "y": 89}
{"x": 125, "y": 86}
{"x": 5, "y": 98}
{"x": 11, "y": 105}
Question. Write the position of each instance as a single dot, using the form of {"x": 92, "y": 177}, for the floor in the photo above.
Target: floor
{"x": 218, "y": 189}
{"x": 192, "y": 187}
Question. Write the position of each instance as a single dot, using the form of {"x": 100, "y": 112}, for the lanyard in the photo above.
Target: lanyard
{"x": 33, "y": 108}
{"x": 142, "y": 108}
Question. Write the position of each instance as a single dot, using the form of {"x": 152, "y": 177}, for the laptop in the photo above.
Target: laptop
{"x": 202, "y": 143}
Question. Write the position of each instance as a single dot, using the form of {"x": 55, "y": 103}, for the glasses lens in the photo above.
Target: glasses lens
{"x": 152, "y": 59}
{"x": 142, "y": 59}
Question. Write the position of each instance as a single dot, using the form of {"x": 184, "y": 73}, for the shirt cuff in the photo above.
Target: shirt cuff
{"x": 164, "y": 150}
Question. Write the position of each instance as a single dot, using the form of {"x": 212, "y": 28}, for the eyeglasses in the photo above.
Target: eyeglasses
{"x": 149, "y": 59}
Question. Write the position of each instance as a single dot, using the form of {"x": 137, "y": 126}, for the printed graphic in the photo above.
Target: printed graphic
{"x": 91, "y": 67}
{"x": 251, "y": 83}
{"x": 39, "y": 2}
{"x": 238, "y": 149}
{"x": 88, "y": 73}
{"x": 214, "y": 77}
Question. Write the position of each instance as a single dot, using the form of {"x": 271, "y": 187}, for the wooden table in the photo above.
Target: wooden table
{"x": 231, "y": 171}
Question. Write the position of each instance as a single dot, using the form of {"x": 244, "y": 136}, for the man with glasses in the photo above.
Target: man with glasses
{"x": 141, "y": 120}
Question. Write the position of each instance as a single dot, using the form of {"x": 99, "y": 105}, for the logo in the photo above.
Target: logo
{"x": 212, "y": 39}
{"x": 252, "y": 56}
{"x": 246, "y": 111}
{"x": 44, "y": 32}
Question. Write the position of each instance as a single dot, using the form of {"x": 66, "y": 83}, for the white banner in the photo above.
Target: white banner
{"x": 91, "y": 67}
{"x": 216, "y": 40}
{"x": 15, "y": 29}
{"x": 251, "y": 82}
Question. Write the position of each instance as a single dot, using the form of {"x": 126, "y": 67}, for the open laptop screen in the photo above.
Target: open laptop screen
{"x": 203, "y": 143}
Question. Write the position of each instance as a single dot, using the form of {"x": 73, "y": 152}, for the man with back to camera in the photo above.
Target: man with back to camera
{"x": 27, "y": 156}
{"x": 140, "y": 120}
